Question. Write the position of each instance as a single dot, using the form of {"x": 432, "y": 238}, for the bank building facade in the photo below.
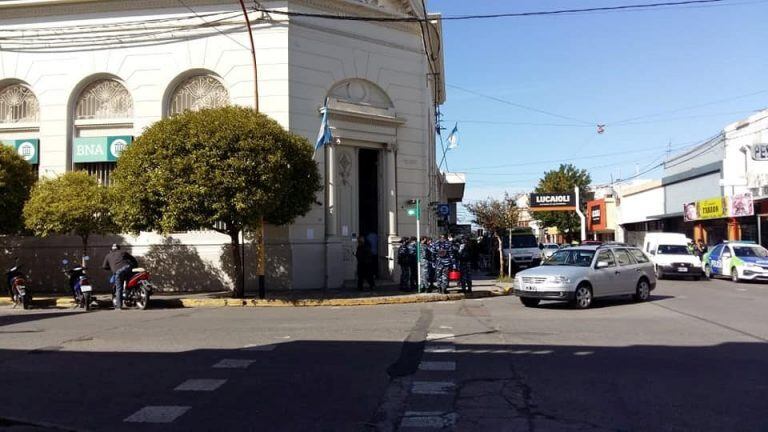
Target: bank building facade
{"x": 80, "y": 79}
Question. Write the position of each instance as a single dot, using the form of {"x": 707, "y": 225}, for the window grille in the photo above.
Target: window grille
{"x": 18, "y": 105}
{"x": 101, "y": 171}
{"x": 104, "y": 100}
{"x": 196, "y": 93}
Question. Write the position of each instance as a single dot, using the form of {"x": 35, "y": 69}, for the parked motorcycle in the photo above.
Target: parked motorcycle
{"x": 80, "y": 285}
{"x": 20, "y": 293}
{"x": 136, "y": 290}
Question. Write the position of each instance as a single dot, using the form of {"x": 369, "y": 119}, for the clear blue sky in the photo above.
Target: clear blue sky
{"x": 597, "y": 68}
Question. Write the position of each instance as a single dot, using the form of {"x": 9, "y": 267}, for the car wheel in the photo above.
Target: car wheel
{"x": 659, "y": 274}
{"x": 583, "y": 297}
{"x": 530, "y": 302}
{"x": 735, "y": 275}
{"x": 707, "y": 272}
{"x": 643, "y": 290}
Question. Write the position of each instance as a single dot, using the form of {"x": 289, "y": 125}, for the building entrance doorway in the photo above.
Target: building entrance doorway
{"x": 368, "y": 200}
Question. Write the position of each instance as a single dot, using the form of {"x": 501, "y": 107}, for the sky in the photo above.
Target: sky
{"x": 658, "y": 79}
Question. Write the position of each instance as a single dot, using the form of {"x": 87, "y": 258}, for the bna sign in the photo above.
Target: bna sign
{"x": 99, "y": 149}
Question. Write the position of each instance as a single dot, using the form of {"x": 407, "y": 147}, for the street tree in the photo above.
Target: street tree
{"x": 496, "y": 216}
{"x": 72, "y": 203}
{"x": 16, "y": 180}
{"x": 223, "y": 169}
{"x": 564, "y": 180}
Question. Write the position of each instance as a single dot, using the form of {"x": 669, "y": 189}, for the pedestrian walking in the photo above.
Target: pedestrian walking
{"x": 364, "y": 264}
{"x": 464, "y": 257}
{"x": 402, "y": 261}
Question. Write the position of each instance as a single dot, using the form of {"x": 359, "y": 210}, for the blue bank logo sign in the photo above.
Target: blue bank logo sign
{"x": 26, "y": 148}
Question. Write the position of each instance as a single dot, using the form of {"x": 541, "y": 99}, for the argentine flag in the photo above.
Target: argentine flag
{"x": 324, "y": 137}
{"x": 453, "y": 138}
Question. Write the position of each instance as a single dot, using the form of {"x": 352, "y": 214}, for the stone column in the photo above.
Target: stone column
{"x": 331, "y": 216}
{"x": 392, "y": 236}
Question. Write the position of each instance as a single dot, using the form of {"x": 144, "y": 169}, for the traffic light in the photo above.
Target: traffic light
{"x": 414, "y": 209}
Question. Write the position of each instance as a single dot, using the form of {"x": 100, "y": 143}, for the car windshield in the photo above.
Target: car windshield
{"x": 522, "y": 241}
{"x": 571, "y": 257}
{"x": 673, "y": 250}
{"x": 750, "y": 251}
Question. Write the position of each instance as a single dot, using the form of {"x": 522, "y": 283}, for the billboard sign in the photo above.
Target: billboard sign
{"x": 552, "y": 201}
{"x": 719, "y": 207}
{"x": 99, "y": 149}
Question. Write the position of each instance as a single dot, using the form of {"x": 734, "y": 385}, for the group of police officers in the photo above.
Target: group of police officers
{"x": 438, "y": 258}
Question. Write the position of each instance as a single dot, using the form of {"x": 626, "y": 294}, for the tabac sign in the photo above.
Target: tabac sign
{"x": 99, "y": 149}
{"x": 26, "y": 148}
{"x": 552, "y": 202}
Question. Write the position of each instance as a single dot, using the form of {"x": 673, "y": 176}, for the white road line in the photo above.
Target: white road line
{"x": 583, "y": 353}
{"x": 427, "y": 420}
{"x": 439, "y": 336}
{"x": 433, "y": 387}
{"x": 157, "y": 414}
{"x": 259, "y": 347}
{"x": 444, "y": 327}
{"x": 438, "y": 365}
{"x": 233, "y": 363}
{"x": 439, "y": 348}
{"x": 200, "y": 385}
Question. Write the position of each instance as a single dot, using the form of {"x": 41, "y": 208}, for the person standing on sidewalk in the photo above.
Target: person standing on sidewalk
{"x": 443, "y": 261}
{"x": 426, "y": 257}
{"x": 464, "y": 257}
{"x": 364, "y": 264}
{"x": 413, "y": 263}
{"x": 120, "y": 263}
{"x": 402, "y": 261}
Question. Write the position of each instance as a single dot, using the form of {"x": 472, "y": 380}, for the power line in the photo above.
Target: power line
{"x": 494, "y": 16}
{"x": 215, "y": 28}
{"x": 521, "y": 106}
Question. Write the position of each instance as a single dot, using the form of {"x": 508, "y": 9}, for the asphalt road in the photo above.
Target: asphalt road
{"x": 694, "y": 358}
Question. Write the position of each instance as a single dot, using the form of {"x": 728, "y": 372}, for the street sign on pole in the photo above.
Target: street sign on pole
{"x": 416, "y": 211}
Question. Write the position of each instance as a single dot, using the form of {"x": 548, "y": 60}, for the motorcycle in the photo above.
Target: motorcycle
{"x": 136, "y": 290}
{"x": 21, "y": 294}
{"x": 81, "y": 287}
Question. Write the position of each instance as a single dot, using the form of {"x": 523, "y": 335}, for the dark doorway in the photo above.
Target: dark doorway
{"x": 368, "y": 211}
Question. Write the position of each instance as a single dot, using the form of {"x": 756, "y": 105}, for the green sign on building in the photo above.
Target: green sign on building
{"x": 99, "y": 149}
{"x": 27, "y": 148}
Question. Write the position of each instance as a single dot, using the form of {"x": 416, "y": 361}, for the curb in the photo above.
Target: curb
{"x": 161, "y": 303}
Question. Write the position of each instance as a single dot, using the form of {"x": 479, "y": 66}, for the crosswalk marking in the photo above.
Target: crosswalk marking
{"x": 157, "y": 414}
{"x": 427, "y": 419}
{"x": 433, "y": 387}
{"x": 200, "y": 385}
{"x": 439, "y": 348}
{"x": 438, "y": 366}
{"x": 233, "y": 364}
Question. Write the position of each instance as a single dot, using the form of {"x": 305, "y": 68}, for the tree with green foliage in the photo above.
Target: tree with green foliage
{"x": 564, "y": 180}
{"x": 72, "y": 203}
{"x": 16, "y": 180}
{"x": 496, "y": 216}
{"x": 223, "y": 169}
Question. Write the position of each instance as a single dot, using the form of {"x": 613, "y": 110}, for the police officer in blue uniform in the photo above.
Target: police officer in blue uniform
{"x": 443, "y": 257}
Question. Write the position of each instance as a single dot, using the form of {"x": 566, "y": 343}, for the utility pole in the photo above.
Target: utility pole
{"x": 262, "y": 247}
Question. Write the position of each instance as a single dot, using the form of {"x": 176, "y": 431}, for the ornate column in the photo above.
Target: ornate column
{"x": 331, "y": 216}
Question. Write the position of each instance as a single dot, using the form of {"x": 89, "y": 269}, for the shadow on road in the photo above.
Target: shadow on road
{"x": 338, "y": 385}
{"x": 22, "y": 317}
{"x": 602, "y": 302}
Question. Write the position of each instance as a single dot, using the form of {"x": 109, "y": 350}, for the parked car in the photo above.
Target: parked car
{"x": 548, "y": 249}
{"x": 737, "y": 260}
{"x": 524, "y": 249}
{"x": 671, "y": 256}
{"x": 581, "y": 274}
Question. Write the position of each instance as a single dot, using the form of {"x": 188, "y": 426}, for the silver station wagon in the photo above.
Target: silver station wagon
{"x": 583, "y": 273}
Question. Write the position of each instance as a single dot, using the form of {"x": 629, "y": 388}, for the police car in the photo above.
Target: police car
{"x": 737, "y": 260}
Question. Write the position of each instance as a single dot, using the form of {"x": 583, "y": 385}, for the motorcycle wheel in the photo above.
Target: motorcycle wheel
{"x": 25, "y": 301}
{"x": 87, "y": 301}
{"x": 142, "y": 302}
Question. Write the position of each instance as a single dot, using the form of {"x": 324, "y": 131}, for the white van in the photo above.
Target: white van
{"x": 671, "y": 256}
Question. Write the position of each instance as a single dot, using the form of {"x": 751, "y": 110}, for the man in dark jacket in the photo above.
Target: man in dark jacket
{"x": 120, "y": 263}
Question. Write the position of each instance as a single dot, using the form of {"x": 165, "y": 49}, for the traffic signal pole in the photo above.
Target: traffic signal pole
{"x": 418, "y": 243}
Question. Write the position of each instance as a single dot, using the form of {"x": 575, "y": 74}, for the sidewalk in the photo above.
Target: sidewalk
{"x": 386, "y": 294}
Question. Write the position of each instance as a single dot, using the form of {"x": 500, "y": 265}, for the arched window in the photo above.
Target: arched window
{"x": 18, "y": 105}
{"x": 104, "y": 99}
{"x": 198, "y": 92}
{"x": 103, "y": 126}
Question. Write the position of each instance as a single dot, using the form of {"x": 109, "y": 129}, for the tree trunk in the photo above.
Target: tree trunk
{"x": 84, "y": 238}
{"x": 501, "y": 255}
{"x": 239, "y": 291}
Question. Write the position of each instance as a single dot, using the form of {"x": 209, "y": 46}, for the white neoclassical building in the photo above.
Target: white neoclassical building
{"x": 80, "y": 79}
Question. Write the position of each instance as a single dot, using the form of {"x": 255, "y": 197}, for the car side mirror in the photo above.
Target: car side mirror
{"x": 602, "y": 264}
